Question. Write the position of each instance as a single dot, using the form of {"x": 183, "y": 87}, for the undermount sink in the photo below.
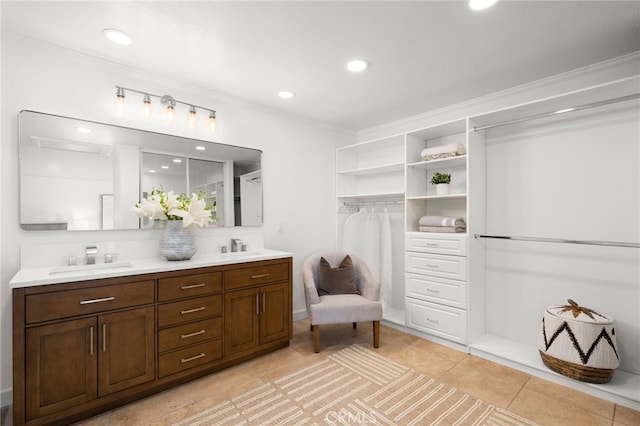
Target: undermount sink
{"x": 89, "y": 268}
{"x": 241, "y": 254}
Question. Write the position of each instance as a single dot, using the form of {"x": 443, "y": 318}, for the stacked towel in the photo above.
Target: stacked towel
{"x": 444, "y": 151}
{"x": 442, "y": 224}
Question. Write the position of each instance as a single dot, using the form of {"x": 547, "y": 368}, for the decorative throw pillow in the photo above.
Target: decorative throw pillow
{"x": 336, "y": 280}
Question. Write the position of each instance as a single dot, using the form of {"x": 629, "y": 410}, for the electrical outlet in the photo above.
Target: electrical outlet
{"x": 279, "y": 226}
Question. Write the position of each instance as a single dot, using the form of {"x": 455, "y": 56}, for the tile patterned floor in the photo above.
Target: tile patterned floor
{"x": 533, "y": 398}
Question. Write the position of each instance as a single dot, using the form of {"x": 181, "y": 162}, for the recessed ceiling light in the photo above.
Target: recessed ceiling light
{"x": 177, "y": 160}
{"x": 151, "y": 171}
{"x": 481, "y": 4}
{"x": 200, "y": 148}
{"x": 117, "y": 36}
{"x": 164, "y": 167}
{"x": 286, "y": 94}
{"x": 357, "y": 65}
{"x": 85, "y": 130}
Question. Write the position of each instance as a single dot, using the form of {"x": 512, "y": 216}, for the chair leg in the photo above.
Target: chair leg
{"x": 355, "y": 324}
{"x": 316, "y": 338}
{"x": 376, "y": 334}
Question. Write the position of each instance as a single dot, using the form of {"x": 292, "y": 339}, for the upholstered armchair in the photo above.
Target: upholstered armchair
{"x": 324, "y": 308}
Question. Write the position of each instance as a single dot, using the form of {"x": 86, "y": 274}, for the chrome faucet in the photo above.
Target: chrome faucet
{"x": 235, "y": 244}
{"x": 91, "y": 255}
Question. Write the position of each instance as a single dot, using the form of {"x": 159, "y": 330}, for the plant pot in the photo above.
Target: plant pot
{"x": 178, "y": 242}
{"x": 442, "y": 189}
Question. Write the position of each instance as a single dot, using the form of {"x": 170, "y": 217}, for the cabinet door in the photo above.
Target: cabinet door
{"x": 61, "y": 363}
{"x": 240, "y": 320}
{"x": 126, "y": 347}
{"x": 274, "y": 312}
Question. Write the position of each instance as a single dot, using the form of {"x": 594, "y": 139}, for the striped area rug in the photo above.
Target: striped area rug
{"x": 354, "y": 386}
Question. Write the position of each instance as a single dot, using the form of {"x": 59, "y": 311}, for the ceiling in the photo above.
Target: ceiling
{"x": 423, "y": 55}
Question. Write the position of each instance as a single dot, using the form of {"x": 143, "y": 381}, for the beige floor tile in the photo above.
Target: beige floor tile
{"x": 151, "y": 408}
{"x": 626, "y": 416}
{"x": 441, "y": 350}
{"x": 481, "y": 384}
{"x": 562, "y": 393}
{"x": 223, "y": 392}
{"x": 547, "y": 410}
{"x": 429, "y": 363}
{"x": 501, "y": 372}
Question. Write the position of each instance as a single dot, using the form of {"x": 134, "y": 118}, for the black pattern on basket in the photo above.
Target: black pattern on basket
{"x": 584, "y": 357}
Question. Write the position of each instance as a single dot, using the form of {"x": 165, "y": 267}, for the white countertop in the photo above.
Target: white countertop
{"x": 28, "y": 277}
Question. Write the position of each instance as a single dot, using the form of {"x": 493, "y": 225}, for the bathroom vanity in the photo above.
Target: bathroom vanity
{"x": 86, "y": 341}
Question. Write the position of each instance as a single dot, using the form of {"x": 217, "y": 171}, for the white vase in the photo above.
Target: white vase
{"x": 178, "y": 242}
{"x": 442, "y": 189}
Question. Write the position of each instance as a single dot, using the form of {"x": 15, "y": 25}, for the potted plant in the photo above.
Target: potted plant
{"x": 441, "y": 181}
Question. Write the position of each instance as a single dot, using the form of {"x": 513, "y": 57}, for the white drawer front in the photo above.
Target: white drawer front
{"x": 441, "y": 321}
{"x": 438, "y": 290}
{"x": 452, "y": 267}
{"x": 454, "y": 244}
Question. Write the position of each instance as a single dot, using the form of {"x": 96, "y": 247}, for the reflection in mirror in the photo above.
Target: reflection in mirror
{"x": 90, "y": 180}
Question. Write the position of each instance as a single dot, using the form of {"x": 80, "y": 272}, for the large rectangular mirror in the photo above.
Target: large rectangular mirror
{"x": 83, "y": 175}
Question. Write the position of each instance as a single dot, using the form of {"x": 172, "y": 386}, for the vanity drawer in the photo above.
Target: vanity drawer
{"x": 245, "y": 277}
{"x": 427, "y": 242}
{"x": 439, "y": 290}
{"x": 186, "y": 358}
{"x": 452, "y": 267}
{"x": 189, "y": 310}
{"x": 189, "y": 334}
{"x": 70, "y": 303}
{"x": 189, "y": 285}
{"x": 442, "y": 321}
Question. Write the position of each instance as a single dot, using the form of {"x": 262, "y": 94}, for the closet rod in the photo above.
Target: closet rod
{"x": 560, "y": 240}
{"x": 369, "y": 203}
{"x": 562, "y": 111}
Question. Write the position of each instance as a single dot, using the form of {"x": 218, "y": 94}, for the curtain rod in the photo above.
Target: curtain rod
{"x": 558, "y": 112}
{"x": 560, "y": 240}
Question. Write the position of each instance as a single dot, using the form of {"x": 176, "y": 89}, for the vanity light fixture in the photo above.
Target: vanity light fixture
{"x": 169, "y": 103}
{"x": 481, "y": 4}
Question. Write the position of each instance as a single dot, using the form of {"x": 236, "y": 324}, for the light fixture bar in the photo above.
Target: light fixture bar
{"x": 120, "y": 91}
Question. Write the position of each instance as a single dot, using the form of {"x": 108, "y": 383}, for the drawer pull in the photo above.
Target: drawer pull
{"x": 433, "y": 245}
{"x": 104, "y": 299}
{"x": 433, "y": 321}
{"x": 259, "y": 276}
{"x": 187, "y": 287}
{"x": 185, "y": 336}
{"x": 201, "y": 355}
{"x": 430, "y": 290}
{"x": 104, "y": 337}
{"x": 190, "y": 311}
{"x": 432, "y": 266}
{"x": 91, "y": 339}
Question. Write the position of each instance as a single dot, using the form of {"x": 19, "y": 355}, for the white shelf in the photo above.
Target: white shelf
{"x": 385, "y": 168}
{"x": 441, "y": 162}
{"x": 382, "y": 196}
{"x": 437, "y": 197}
{"x": 623, "y": 389}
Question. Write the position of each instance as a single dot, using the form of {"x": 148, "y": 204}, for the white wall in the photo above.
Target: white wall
{"x": 298, "y": 160}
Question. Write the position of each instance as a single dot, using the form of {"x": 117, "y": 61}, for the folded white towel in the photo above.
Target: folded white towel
{"x": 443, "y": 151}
{"x": 447, "y": 229}
{"x": 441, "y": 221}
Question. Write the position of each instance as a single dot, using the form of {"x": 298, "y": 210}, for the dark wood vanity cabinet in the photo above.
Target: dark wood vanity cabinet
{"x": 84, "y": 347}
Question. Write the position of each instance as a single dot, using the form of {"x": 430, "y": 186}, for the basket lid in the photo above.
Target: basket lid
{"x": 575, "y": 312}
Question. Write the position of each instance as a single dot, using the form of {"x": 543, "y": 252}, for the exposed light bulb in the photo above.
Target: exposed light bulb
{"x": 147, "y": 107}
{"x": 213, "y": 122}
{"x": 119, "y": 100}
{"x": 193, "y": 116}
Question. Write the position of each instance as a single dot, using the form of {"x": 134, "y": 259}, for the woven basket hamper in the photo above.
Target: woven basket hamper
{"x": 579, "y": 343}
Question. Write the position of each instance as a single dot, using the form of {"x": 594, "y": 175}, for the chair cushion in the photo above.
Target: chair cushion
{"x": 337, "y": 280}
{"x": 335, "y": 309}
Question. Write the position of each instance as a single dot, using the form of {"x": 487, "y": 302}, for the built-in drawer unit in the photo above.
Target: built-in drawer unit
{"x": 90, "y": 300}
{"x": 438, "y": 243}
{"x": 438, "y": 320}
{"x": 192, "y": 356}
{"x": 189, "y": 310}
{"x": 189, "y": 286}
{"x": 189, "y": 334}
{"x": 255, "y": 275}
{"x": 452, "y": 267}
{"x": 438, "y": 290}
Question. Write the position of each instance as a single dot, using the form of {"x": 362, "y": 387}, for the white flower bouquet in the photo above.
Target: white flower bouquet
{"x": 161, "y": 205}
